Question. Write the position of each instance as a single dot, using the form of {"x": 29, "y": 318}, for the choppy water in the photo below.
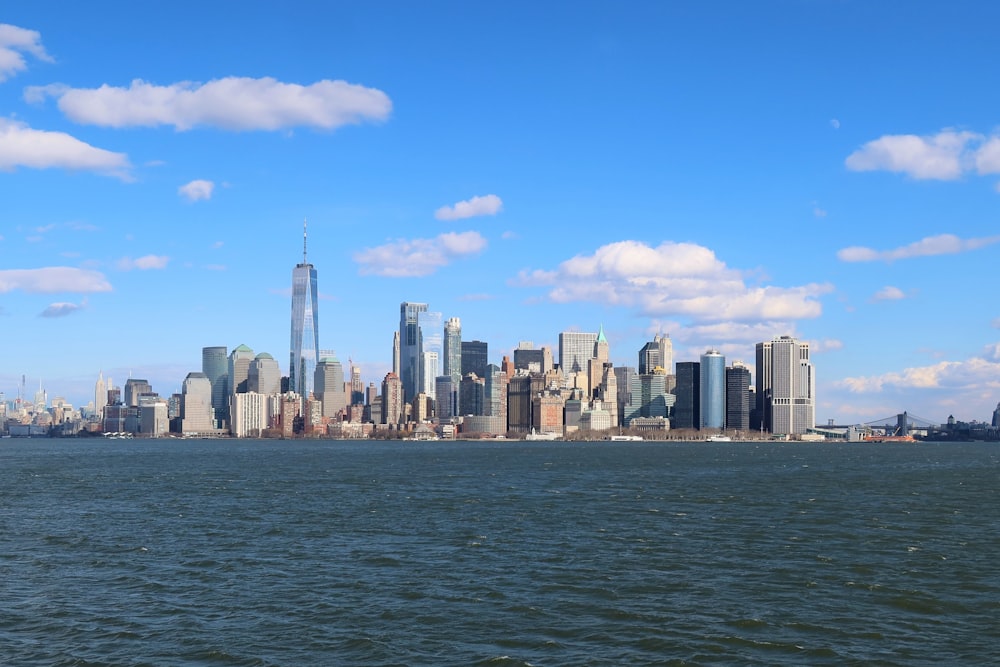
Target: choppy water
{"x": 289, "y": 553}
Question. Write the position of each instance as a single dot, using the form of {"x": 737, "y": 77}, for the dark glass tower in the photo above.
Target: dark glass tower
{"x": 305, "y": 325}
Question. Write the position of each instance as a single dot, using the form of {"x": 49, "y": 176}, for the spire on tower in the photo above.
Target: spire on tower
{"x": 304, "y": 261}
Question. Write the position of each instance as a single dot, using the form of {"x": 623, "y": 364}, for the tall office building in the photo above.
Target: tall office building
{"x": 239, "y": 369}
{"x": 657, "y": 353}
{"x": 263, "y": 375}
{"x": 786, "y": 386}
{"x": 410, "y": 348}
{"x": 196, "y": 404}
{"x": 712, "y": 389}
{"x": 134, "y": 388}
{"x": 475, "y": 358}
{"x": 357, "y": 386}
{"x": 100, "y": 395}
{"x": 648, "y": 397}
{"x": 215, "y": 366}
{"x": 305, "y": 326}
{"x": 527, "y": 358}
{"x": 393, "y": 412}
{"x": 329, "y": 386}
{"x": 738, "y": 397}
{"x": 575, "y": 349}
{"x": 687, "y": 407}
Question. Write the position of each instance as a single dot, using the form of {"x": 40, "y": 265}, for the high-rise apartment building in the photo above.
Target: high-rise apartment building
{"x": 712, "y": 390}
{"x": 304, "y": 348}
{"x": 410, "y": 347}
{"x": 392, "y": 400}
{"x": 215, "y": 367}
{"x": 786, "y": 386}
{"x": 453, "y": 348}
{"x": 738, "y": 397}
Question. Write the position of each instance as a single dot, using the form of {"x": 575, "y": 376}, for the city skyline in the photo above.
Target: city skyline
{"x": 723, "y": 175}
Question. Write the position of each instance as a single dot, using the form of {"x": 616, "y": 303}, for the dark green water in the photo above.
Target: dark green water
{"x": 346, "y": 553}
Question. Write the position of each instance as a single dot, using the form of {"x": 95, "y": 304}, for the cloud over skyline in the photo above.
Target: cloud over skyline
{"x": 52, "y": 279}
{"x": 62, "y": 309}
{"x": 22, "y": 146}
{"x": 230, "y": 103}
{"x": 672, "y": 279}
{"x": 470, "y": 208}
{"x": 942, "y": 244}
{"x": 418, "y": 257}
{"x": 144, "y": 263}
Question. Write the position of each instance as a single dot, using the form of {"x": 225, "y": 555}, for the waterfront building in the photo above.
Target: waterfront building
{"x": 475, "y": 359}
{"x": 575, "y": 348}
{"x": 738, "y": 397}
{"x": 197, "y": 415}
{"x": 712, "y": 390}
{"x": 215, "y": 366}
{"x": 687, "y": 406}
{"x": 328, "y": 386}
{"x": 100, "y": 394}
{"x": 304, "y": 347}
{"x": 648, "y": 397}
{"x": 250, "y": 415}
{"x": 547, "y": 412}
{"x": 410, "y": 347}
{"x": 263, "y": 375}
{"x": 519, "y": 402}
{"x": 393, "y": 412}
{"x": 154, "y": 421}
{"x": 786, "y": 386}
{"x": 134, "y": 388}
{"x": 239, "y": 369}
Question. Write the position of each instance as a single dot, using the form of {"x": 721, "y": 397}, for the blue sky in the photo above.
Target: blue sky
{"x": 720, "y": 171}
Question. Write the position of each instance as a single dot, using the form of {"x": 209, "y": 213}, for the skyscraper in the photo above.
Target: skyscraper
{"x": 453, "y": 349}
{"x": 239, "y": 369}
{"x": 432, "y": 350}
{"x": 215, "y": 367}
{"x": 100, "y": 395}
{"x": 738, "y": 397}
{"x": 305, "y": 325}
{"x": 329, "y": 386}
{"x": 712, "y": 388}
{"x": 410, "y": 348}
{"x": 575, "y": 349}
{"x": 687, "y": 408}
{"x": 263, "y": 375}
{"x": 134, "y": 388}
{"x": 196, "y": 403}
{"x": 475, "y": 358}
{"x": 786, "y": 386}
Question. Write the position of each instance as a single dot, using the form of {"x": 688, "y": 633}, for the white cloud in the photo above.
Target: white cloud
{"x": 834, "y": 123}
{"x": 470, "y": 208}
{"x": 819, "y": 212}
{"x": 143, "y": 263}
{"x": 197, "y": 189}
{"x": 825, "y": 345}
{"x": 939, "y": 156}
{"x": 942, "y": 244}
{"x": 418, "y": 257}
{"x": 13, "y": 42}
{"x": 53, "y": 279}
{"x": 988, "y": 157}
{"x": 957, "y": 375}
{"x": 231, "y": 103}
{"x": 21, "y": 146}
{"x": 681, "y": 279}
{"x": 889, "y": 293}
{"x": 62, "y": 309}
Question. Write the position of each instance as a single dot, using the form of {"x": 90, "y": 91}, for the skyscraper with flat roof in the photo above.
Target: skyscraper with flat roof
{"x": 575, "y": 350}
{"x": 712, "y": 385}
{"x": 786, "y": 386}
{"x": 215, "y": 367}
{"x": 738, "y": 397}
{"x": 410, "y": 348}
{"x": 305, "y": 325}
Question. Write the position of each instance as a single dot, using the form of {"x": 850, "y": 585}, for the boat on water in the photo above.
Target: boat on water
{"x": 541, "y": 436}
{"x": 718, "y": 438}
{"x": 625, "y": 438}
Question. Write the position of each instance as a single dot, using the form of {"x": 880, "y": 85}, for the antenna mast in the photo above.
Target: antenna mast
{"x": 304, "y": 261}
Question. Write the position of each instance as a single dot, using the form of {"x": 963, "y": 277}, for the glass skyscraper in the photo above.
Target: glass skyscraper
{"x": 305, "y": 326}
{"x": 411, "y": 346}
{"x": 713, "y": 390}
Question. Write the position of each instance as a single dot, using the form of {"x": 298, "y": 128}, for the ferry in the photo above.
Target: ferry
{"x": 540, "y": 436}
{"x": 718, "y": 438}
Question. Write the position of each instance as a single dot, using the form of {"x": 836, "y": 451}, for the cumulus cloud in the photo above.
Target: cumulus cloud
{"x": 939, "y": 156}
{"x": 955, "y": 375}
{"x": 14, "y": 42}
{"x": 470, "y": 208}
{"x": 418, "y": 257}
{"x": 143, "y": 263}
{"x": 231, "y": 103}
{"x": 52, "y": 279}
{"x": 22, "y": 146}
{"x": 889, "y": 293}
{"x": 62, "y": 309}
{"x": 942, "y": 244}
{"x": 197, "y": 189}
{"x": 682, "y": 279}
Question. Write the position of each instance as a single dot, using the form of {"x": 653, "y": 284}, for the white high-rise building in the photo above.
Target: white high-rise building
{"x": 575, "y": 350}
{"x": 250, "y": 415}
{"x": 786, "y": 386}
